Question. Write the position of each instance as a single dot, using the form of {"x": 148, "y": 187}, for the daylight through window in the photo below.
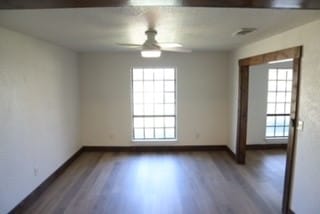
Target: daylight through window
{"x": 154, "y": 103}
{"x": 279, "y": 103}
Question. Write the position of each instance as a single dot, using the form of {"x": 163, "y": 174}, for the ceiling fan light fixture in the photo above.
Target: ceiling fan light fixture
{"x": 151, "y": 48}
{"x": 151, "y": 53}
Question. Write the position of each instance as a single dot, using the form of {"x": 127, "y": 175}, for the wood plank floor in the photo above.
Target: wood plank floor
{"x": 179, "y": 182}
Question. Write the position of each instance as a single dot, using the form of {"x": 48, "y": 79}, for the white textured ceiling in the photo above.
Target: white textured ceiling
{"x": 99, "y": 29}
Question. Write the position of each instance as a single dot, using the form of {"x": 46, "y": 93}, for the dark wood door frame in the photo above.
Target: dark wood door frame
{"x": 244, "y": 64}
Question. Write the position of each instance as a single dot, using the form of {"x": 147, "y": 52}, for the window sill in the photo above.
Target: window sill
{"x": 276, "y": 138}
{"x": 155, "y": 142}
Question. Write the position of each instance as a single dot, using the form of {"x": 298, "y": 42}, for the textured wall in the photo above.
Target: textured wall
{"x": 38, "y": 113}
{"x": 201, "y": 97}
{"x": 306, "y": 191}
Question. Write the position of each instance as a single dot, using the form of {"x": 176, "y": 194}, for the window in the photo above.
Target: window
{"x": 154, "y": 103}
{"x": 279, "y": 103}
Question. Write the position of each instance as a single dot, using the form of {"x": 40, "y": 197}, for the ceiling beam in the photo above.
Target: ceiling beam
{"x": 42, "y": 4}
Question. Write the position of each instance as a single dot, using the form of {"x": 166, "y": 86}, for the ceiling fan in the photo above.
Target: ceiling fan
{"x": 151, "y": 48}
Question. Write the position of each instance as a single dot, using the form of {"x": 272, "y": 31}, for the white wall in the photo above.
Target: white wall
{"x": 257, "y": 105}
{"x": 306, "y": 191}
{"x": 38, "y": 113}
{"x": 202, "y": 101}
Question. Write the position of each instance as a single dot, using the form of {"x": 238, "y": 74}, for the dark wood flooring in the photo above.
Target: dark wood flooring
{"x": 165, "y": 183}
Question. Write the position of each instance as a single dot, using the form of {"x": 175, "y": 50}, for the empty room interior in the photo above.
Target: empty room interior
{"x": 160, "y": 107}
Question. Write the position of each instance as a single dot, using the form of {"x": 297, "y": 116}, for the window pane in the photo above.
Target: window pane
{"x": 159, "y": 133}
{"x": 271, "y": 97}
{"x": 289, "y": 85}
{"x": 148, "y": 86}
{"x": 149, "y": 122}
{"x": 137, "y": 74}
{"x": 280, "y": 131}
{"x": 272, "y": 74}
{"x": 138, "y": 97}
{"x": 148, "y": 74}
{"x": 169, "y": 74}
{"x": 169, "y": 98}
{"x": 272, "y": 86}
{"x": 280, "y": 108}
{"x": 158, "y": 98}
{"x": 271, "y": 108}
{"x": 287, "y": 120}
{"x": 138, "y": 133}
{"x": 169, "y": 133}
{"x": 271, "y": 121}
{"x": 286, "y": 131}
{"x": 288, "y": 108}
{"x": 269, "y": 132}
{"x": 138, "y": 109}
{"x": 158, "y": 74}
{"x": 281, "y": 97}
{"x": 281, "y": 86}
{"x": 282, "y": 74}
{"x": 280, "y": 121}
{"x": 169, "y": 85}
{"x": 169, "y": 109}
{"x": 148, "y": 109}
{"x": 159, "y": 122}
{"x": 158, "y": 86}
{"x": 289, "y": 74}
{"x": 149, "y": 133}
{"x": 169, "y": 122}
{"x": 159, "y": 109}
{"x": 137, "y": 86}
{"x": 288, "y": 97}
{"x": 148, "y": 97}
{"x": 138, "y": 122}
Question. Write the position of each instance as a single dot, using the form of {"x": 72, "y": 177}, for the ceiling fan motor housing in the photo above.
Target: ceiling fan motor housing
{"x": 151, "y": 43}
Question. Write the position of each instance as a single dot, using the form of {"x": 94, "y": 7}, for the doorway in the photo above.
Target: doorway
{"x": 295, "y": 54}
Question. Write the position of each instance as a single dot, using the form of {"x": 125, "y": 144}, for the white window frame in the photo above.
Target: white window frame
{"x": 156, "y": 141}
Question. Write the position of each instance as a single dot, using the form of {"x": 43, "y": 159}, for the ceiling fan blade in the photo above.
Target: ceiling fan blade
{"x": 169, "y": 45}
{"x": 129, "y": 45}
{"x": 180, "y": 50}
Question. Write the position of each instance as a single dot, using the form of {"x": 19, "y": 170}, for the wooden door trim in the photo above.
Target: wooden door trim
{"x": 244, "y": 64}
{"x": 293, "y": 135}
{"x": 289, "y": 53}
